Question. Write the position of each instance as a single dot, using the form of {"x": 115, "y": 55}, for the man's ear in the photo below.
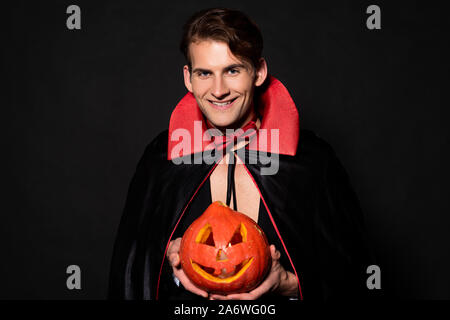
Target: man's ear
{"x": 187, "y": 78}
{"x": 261, "y": 72}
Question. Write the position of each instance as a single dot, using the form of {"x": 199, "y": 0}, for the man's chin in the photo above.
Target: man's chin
{"x": 228, "y": 124}
{"x": 222, "y": 125}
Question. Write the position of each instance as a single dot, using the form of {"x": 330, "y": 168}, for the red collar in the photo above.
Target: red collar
{"x": 275, "y": 105}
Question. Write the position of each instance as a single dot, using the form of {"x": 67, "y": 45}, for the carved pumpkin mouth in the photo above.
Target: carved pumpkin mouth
{"x": 224, "y": 277}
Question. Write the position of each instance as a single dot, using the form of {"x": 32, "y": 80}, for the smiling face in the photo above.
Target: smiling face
{"x": 222, "y": 84}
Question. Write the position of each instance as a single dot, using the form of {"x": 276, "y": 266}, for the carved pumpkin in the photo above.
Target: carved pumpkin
{"x": 224, "y": 251}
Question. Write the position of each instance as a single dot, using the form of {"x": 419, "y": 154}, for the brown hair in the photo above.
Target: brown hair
{"x": 227, "y": 25}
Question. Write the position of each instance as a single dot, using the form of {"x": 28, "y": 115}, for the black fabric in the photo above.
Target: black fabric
{"x": 231, "y": 190}
{"x": 310, "y": 199}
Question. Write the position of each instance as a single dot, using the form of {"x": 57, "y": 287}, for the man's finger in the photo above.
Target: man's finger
{"x": 219, "y": 297}
{"x": 241, "y": 296}
{"x": 174, "y": 259}
{"x": 260, "y": 290}
{"x": 274, "y": 252}
{"x": 174, "y": 246}
{"x": 188, "y": 285}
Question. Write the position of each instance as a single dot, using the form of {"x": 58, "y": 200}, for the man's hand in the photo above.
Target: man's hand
{"x": 278, "y": 280}
{"x": 174, "y": 261}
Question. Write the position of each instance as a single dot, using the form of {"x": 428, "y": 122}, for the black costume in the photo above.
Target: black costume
{"x": 313, "y": 211}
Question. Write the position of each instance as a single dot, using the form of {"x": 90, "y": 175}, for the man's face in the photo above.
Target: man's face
{"x": 222, "y": 84}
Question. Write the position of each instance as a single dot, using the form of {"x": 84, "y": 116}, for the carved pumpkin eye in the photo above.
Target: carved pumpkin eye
{"x": 239, "y": 235}
{"x": 205, "y": 236}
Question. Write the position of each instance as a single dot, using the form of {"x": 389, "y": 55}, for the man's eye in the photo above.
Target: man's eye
{"x": 203, "y": 74}
{"x": 233, "y": 71}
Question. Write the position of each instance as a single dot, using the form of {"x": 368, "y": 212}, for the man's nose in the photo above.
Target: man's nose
{"x": 220, "y": 89}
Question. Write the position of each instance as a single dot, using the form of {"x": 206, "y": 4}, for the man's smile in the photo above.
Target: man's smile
{"x": 222, "y": 105}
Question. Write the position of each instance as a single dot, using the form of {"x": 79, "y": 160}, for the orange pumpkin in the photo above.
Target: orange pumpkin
{"x": 225, "y": 251}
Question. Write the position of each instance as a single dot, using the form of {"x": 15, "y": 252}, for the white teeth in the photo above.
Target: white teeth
{"x": 221, "y": 104}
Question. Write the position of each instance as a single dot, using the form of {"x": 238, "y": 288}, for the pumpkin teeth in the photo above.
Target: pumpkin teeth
{"x": 224, "y": 274}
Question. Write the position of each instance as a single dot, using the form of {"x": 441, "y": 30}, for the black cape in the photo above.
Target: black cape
{"x": 310, "y": 198}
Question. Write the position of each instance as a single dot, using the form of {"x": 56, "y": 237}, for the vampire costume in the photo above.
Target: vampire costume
{"x": 308, "y": 208}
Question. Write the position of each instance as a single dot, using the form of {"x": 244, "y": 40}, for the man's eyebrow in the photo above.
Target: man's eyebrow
{"x": 235, "y": 66}
{"x": 231, "y": 66}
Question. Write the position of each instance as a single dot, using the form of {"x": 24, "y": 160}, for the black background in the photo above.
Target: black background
{"x": 80, "y": 106}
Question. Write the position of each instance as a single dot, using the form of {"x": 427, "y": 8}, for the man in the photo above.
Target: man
{"x": 305, "y": 205}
